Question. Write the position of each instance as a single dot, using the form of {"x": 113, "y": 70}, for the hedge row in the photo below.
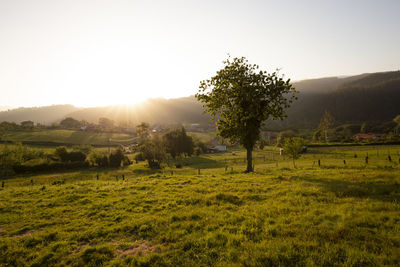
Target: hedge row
{"x": 50, "y": 166}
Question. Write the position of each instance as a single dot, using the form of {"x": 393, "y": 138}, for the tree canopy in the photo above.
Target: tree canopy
{"x": 242, "y": 97}
{"x": 177, "y": 142}
{"x": 326, "y": 122}
{"x": 293, "y": 147}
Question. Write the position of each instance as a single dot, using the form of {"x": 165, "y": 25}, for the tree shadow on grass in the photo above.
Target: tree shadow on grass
{"x": 190, "y": 162}
{"x": 147, "y": 171}
{"x": 388, "y": 192}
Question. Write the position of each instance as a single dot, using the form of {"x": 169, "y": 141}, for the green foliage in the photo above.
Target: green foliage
{"x": 49, "y": 166}
{"x": 86, "y": 149}
{"x": 143, "y": 132}
{"x": 318, "y": 135}
{"x": 280, "y": 141}
{"x": 72, "y": 156}
{"x": 397, "y": 120}
{"x": 201, "y": 147}
{"x": 364, "y": 98}
{"x": 262, "y": 144}
{"x": 71, "y": 123}
{"x": 153, "y": 150}
{"x": 243, "y": 98}
{"x": 106, "y": 123}
{"x": 293, "y": 147}
{"x": 345, "y": 133}
{"x": 178, "y": 143}
{"x": 116, "y": 158}
{"x": 15, "y": 155}
{"x": 326, "y": 122}
{"x": 101, "y": 160}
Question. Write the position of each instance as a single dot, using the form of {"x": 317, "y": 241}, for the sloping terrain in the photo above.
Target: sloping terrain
{"x": 362, "y": 98}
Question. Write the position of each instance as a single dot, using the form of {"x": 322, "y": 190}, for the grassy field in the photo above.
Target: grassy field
{"x": 333, "y": 215}
{"x": 204, "y": 137}
{"x": 65, "y": 137}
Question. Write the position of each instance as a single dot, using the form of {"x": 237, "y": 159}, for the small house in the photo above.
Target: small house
{"x": 220, "y": 148}
{"x": 369, "y": 136}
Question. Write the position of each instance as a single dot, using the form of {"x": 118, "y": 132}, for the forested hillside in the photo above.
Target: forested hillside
{"x": 43, "y": 115}
{"x": 362, "y": 98}
{"x": 368, "y": 98}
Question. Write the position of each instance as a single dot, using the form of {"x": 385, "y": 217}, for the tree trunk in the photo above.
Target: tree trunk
{"x": 249, "y": 160}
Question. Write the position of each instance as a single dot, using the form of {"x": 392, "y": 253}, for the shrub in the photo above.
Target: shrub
{"x": 65, "y": 156}
{"x": 116, "y": 158}
{"x": 49, "y": 166}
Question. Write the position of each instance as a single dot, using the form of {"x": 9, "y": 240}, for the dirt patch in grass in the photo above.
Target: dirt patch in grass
{"x": 81, "y": 246}
{"x": 25, "y": 234}
{"x": 139, "y": 248}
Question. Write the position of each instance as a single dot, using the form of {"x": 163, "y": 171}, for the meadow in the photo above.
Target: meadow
{"x": 210, "y": 213}
{"x": 65, "y": 137}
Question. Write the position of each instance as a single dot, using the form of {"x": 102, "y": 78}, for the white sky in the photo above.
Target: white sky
{"x": 91, "y": 53}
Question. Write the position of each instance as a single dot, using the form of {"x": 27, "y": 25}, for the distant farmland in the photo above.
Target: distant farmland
{"x": 65, "y": 137}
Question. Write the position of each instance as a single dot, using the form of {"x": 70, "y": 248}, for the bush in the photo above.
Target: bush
{"x": 139, "y": 157}
{"x": 49, "y": 166}
{"x": 73, "y": 156}
{"x": 280, "y": 141}
{"x": 116, "y": 158}
{"x": 154, "y": 152}
{"x": 101, "y": 160}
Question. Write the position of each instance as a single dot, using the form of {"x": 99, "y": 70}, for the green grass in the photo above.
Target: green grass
{"x": 65, "y": 136}
{"x": 333, "y": 215}
{"x": 204, "y": 137}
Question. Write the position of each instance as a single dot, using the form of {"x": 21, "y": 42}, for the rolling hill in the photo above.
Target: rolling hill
{"x": 43, "y": 115}
{"x": 373, "y": 97}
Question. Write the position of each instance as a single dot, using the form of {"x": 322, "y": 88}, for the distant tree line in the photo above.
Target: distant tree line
{"x": 16, "y": 158}
{"x": 371, "y": 98}
{"x": 155, "y": 148}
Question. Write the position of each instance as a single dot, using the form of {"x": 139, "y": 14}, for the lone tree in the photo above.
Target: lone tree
{"x": 397, "y": 120}
{"x": 293, "y": 147}
{"x": 243, "y": 98}
{"x": 326, "y": 122}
